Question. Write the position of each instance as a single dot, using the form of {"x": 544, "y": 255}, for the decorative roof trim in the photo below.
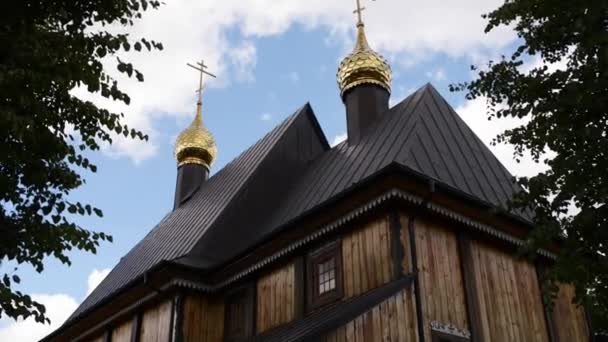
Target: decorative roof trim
{"x": 365, "y": 208}
{"x": 481, "y": 227}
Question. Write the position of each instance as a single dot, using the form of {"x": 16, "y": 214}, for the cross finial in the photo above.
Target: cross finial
{"x": 358, "y": 11}
{"x": 200, "y": 67}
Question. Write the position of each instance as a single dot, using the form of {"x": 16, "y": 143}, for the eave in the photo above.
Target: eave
{"x": 390, "y": 186}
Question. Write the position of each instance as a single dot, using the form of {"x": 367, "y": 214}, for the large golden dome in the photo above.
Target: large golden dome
{"x": 363, "y": 66}
{"x": 195, "y": 144}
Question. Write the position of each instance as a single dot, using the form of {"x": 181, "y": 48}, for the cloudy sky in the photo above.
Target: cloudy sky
{"x": 271, "y": 57}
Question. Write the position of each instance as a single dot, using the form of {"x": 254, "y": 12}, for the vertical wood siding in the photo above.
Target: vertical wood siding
{"x": 571, "y": 324}
{"x": 275, "y": 298}
{"x": 122, "y": 333}
{"x": 392, "y": 320}
{"x": 156, "y": 323}
{"x": 405, "y": 242}
{"x": 366, "y": 258}
{"x": 441, "y": 287}
{"x": 203, "y": 319}
{"x": 509, "y": 296}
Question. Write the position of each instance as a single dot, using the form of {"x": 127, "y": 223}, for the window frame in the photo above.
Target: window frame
{"x": 246, "y": 294}
{"x": 313, "y": 260}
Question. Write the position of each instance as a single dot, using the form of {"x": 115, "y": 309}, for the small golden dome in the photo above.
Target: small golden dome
{"x": 362, "y": 66}
{"x": 195, "y": 144}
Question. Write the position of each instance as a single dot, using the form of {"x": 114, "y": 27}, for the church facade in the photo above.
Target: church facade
{"x": 399, "y": 233}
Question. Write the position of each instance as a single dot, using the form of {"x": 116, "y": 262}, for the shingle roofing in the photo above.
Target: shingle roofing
{"x": 422, "y": 133}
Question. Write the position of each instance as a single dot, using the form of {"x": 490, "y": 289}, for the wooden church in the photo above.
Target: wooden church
{"x": 399, "y": 233}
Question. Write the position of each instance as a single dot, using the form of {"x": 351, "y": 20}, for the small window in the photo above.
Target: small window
{"x": 239, "y": 314}
{"x": 324, "y": 275}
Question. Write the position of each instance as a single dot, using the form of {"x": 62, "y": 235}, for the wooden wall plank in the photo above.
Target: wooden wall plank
{"x": 474, "y": 304}
{"x": 156, "y": 323}
{"x": 275, "y": 298}
{"x": 571, "y": 317}
{"x": 440, "y": 277}
{"x": 367, "y": 258}
{"x": 122, "y": 333}
{"x": 203, "y": 319}
{"x": 509, "y": 297}
{"x": 405, "y": 242}
{"x": 393, "y": 320}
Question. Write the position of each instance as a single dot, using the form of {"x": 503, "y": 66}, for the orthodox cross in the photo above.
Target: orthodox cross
{"x": 358, "y": 12}
{"x": 200, "y": 67}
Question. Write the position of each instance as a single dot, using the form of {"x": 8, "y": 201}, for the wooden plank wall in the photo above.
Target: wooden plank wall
{"x": 203, "y": 319}
{"x": 404, "y": 236}
{"x": 440, "y": 276}
{"x": 571, "y": 324}
{"x": 393, "y": 320}
{"x": 275, "y": 298}
{"x": 156, "y": 323}
{"x": 509, "y": 296}
{"x": 366, "y": 258}
{"x": 122, "y": 333}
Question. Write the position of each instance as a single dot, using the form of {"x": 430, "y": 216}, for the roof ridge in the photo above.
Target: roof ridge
{"x": 276, "y": 134}
{"x": 177, "y": 223}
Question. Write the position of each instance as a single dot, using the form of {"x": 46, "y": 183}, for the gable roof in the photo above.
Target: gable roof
{"x": 180, "y": 230}
{"x": 423, "y": 134}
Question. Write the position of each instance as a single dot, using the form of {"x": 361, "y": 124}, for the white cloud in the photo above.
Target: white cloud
{"x": 338, "y": 139}
{"x": 437, "y": 75}
{"x": 474, "y": 113}
{"x": 58, "y": 306}
{"x": 190, "y": 30}
{"x": 244, "y": 58}
{"x": 58, "y": 309}
{"x": 95, "y": 278}
{"x": 265, "y": 117}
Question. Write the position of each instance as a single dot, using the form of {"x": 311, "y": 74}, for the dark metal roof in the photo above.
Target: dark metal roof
{"x": 423, "y": 134}
{"x": 180, "y": 230}
{"x": 292, "y": 170}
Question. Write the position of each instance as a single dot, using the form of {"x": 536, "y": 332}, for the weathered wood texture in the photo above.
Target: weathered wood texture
{"x": 156, "y": 323}
{"x": 203, "y": 319}
{"x": 366, "y": 258}
{"x": 122, "y": 333}
{"x": 509, "y": 296}
{"x": 404, "y": 235}
{"x": 392, "y": 320}
{"x": 441, "y": 287}
{"x": 275, "y": 298}
{"x": 570, "y": 318}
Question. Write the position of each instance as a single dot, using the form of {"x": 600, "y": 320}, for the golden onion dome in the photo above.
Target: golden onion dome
{"x": 363, "y": 66}
{"x": 195, "y": 144}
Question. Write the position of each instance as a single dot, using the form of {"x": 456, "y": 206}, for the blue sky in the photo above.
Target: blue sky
{"x": 271, "y": 58}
